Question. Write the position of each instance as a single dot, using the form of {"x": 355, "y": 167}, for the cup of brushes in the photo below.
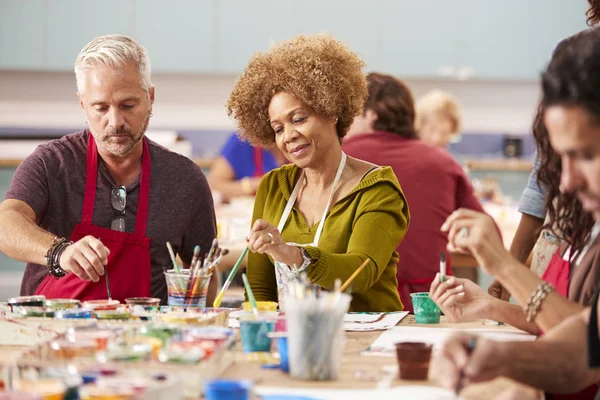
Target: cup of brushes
{"x": 189, "y": 287}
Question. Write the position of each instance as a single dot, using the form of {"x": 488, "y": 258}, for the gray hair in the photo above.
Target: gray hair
{"x": 114, "y": 51}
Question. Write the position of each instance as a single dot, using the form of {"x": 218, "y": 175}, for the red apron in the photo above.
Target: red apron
{"x": 129, "y": 267}
{"x": 557, "y": 274}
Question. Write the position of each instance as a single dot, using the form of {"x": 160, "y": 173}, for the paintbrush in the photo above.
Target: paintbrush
{"x": 251, "y": 298}
{"x": 173, "y": 259}
{"x": 190, "y": 283}
{"x": 442, "y": 267}
{"x": 217, "y": 261}
{"x": 106, "y": 280}
{"x": 234, "y": 271}
{"x": 211, "y": 252}
{"x": 354, "y": 275}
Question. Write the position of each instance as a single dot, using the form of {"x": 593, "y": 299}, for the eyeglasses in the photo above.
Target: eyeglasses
{"x": 118, "y": 201}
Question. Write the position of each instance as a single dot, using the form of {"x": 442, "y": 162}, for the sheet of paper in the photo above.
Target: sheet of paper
{"x": 362, "y": 322}
{"x": 417, "y": 392}
{"x": 384, "y": 345}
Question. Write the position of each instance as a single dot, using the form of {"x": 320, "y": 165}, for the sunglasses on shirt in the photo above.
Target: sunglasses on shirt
{"x": 118, "y": 201}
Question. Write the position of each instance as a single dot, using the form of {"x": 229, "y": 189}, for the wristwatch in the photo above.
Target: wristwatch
{"x": 307, "y": 259}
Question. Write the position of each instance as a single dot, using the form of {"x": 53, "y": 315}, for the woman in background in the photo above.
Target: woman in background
{"x": 432, "y": 180}
{"x": 324, "y": 214}
{"x": 239, "y": 169}
{"x": 438, "y": 118}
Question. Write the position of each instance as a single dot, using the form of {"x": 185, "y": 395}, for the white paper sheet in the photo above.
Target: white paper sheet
{"x": 362, "y": 322}
{"x": 384, "y": 345}
{"x": 416, "y": 392}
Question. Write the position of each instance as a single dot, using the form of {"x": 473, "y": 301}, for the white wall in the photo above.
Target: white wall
{"x": 45, "y": 99}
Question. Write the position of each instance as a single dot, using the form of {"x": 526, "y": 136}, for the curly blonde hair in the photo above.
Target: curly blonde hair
{"x": 317, "y": 69}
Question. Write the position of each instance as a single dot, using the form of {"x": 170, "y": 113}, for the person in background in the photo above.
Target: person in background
{"x": 106, "y": 198}
{"x": 534, "y": 203}
{"x": 438, "y": 118}
{"x": 239, "y": 169}
{"x": 432, "y": 180}
{"x": 558, "y": 362}
{"x": 325, "y": 213}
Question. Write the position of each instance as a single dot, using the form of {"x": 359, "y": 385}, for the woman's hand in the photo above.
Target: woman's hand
{"x": 460, "y": 299}
{"x": 264, "y": 238}
{"x": 475, "y": 233}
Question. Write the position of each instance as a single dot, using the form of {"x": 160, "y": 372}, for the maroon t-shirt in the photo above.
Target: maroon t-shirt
{"x": 52, "y": 181}
{"x": 434, "y": 184}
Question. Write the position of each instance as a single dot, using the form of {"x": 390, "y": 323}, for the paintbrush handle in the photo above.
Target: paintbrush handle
{"x": 232, "y": 274}
{"x": 354, "y": 275}
{"x": 107, "y": 283}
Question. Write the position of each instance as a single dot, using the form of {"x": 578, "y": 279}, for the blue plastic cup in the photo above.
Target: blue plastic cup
{"x": 282, "y": 346}
{"x": 254, "y": 335}
{"x": 227, "y": 390}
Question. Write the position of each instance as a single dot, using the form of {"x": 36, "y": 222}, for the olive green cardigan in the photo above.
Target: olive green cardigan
{"x": 369, "y": 222}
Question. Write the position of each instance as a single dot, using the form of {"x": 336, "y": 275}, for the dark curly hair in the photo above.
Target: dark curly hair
{"x": 571, "y": 78}
{"x": 567, "y": 218}
{"x": 593, "y": 13}
{"x": 317, "y": 69}
{"x": 393, "y": 103}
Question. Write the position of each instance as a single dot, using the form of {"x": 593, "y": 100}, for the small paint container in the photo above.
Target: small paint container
{"x": 63, "y": 304}
{"x": 27, "y": 301}
{"x": 103, "y": 392}
{"x": 254, "y": 335}
{"x": 426, "y": 311}
{"x": 68, "y": 349}
{"x": 413, "y": 360}
{"x": 122, "y": 314}
{"x": 227, "y": 390}
{"x": 180, "y": 317}
{"x": 143, "y": 301}
{"x": 282, "y": 347}
{"x": 73, "y": 313}
{"x": 38, "y": 312}
{"x": 261, "y": 306}
{"x": 99, "y": 305}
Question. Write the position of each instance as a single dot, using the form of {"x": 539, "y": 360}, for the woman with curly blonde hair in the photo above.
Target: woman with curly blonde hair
{"x": 324, "y": 213}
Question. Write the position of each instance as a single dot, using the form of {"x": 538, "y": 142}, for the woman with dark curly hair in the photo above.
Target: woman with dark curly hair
{"x": 325, "y": 213}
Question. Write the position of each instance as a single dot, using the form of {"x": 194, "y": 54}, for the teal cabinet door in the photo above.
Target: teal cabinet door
{"x": 418, "y": 38}
{"x": 22, "y": 31}
{"x": 74, "y": 23}
{"x": 246, "y": 27}
{"x": 178, "y": 34}
{"x": 354, "y": 22}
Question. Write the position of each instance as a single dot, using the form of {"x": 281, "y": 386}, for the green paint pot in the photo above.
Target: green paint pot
{"x": 426, "y": 311}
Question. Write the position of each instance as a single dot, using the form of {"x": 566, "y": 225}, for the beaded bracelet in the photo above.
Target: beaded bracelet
{"x": 535, "y": 300}
{"x": 53, "y": 254}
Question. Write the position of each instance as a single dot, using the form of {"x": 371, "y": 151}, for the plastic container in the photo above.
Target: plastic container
{"x": 227, "y": 390}
{"x": 27, "y": 301}
{"x": 143, "y": 301}
{"x": 254, "y": 335}
{"x": 73, "y": 313}
{"x": 261, "y": 305}
{"x": 413, "y": 360}
{"x": 99, "y": 305}
{"x": 100, "y": 336}
{"x": 37, "y": 312}
{"x": 63, "y": 304}
{"x": 183, "y": 291}
{"x": 46, "y": 389}
{"x": 122, "y": 314}
{"x": 426, "y": 311}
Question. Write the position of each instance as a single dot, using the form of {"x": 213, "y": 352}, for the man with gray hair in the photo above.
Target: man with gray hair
{"x": 106, "y": 200}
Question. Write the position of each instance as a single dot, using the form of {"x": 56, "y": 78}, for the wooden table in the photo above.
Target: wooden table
{"x": 352, "y": 363}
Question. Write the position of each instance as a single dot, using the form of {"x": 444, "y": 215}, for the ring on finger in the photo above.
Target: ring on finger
{"x": 464, "y": 232}
{"x": 272, "y": 238}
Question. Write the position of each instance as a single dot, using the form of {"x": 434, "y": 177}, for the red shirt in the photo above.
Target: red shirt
{"x": 434, "y": 184}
